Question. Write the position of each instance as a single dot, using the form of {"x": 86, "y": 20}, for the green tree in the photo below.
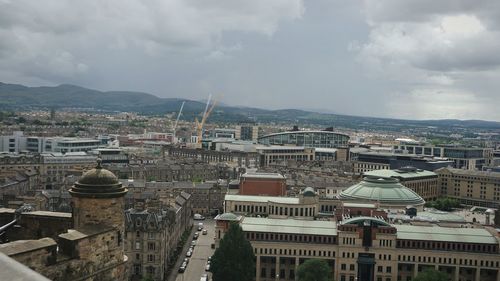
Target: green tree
{"x": 314, "y": 270}
{"x": 431, "y": 275}
{"x": 234, "y": 259}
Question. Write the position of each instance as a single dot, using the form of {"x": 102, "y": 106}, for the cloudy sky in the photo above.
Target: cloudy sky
{"x": 414, "y": 59}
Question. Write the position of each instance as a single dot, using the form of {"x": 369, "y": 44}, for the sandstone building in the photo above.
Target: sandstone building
{"x": 93, "y": 248}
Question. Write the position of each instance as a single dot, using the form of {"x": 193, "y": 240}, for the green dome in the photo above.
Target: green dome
{"x": 228, "y": 217}
{"x": 98, "y": 183}
{"x": 309, "y": 192}
{"x": 388, "y": 192}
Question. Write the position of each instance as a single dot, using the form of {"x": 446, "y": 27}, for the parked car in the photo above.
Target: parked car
{"x": 186, "y": 260}
{"x": 204, "y": 232}
{"x": 209, "y": 258}
{"x": 207, "y": 267}
{"x": 196, "y": 235}
{"x": 198, "y": 217}
{"x": 182, "y": 268}
{"x": 189, "y": 253}
{"x": 204, "y": 277}
{"x": 193, "y": 243}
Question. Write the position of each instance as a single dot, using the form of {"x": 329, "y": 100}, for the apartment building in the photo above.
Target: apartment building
{"x": 152, "y": 232}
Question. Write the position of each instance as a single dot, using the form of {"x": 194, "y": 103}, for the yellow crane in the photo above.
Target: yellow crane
{"x": 199, "y": 124}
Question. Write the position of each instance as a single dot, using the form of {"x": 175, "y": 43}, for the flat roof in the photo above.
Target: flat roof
{"x": 292, "y": 226}
{"x": 279, "y": 147}
{"x": 325, "y": 150}
{"x": 263, "y": 175}
{"x": 445, "y": 234}
{"x": 304, "y": 132}
{"x": 358, "y": 205}
{"x": 261, "y": 199}
{"x": 23, "y": 246}
{"x": 471, "y": 172}
{"x": 417, "y": 173}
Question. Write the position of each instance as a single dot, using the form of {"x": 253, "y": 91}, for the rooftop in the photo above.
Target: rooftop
{"x": 261, "y": 199}
{"x": 470, "y": 172}
{"x": 404, "y": 174}
{"x": 23, "y": 246}
{"x": 385, "y": 191}
{"x": 263, "y": 176}
{"x": 449, "y": 234}
{"x": 292, "y": 226}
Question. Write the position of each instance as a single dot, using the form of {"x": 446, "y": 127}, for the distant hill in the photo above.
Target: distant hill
{"x": 13, "y": 96}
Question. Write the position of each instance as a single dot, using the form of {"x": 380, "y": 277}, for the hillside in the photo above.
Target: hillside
{"x": 14, "y": 97}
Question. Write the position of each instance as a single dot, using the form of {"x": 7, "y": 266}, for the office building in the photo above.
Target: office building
{"x": 473, "y": 188}
{"x": 317, "y": 139}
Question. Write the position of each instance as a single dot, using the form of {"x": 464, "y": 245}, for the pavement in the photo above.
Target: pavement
{"x": 197, "y": 262}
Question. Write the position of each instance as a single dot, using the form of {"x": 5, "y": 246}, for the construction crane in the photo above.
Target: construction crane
{"x": 177, "y": 121}
{"x": 200, "y": 124}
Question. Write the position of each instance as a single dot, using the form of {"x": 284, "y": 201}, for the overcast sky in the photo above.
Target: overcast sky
{"x": 415, "y": 59}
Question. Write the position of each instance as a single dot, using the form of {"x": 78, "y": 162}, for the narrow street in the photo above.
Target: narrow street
{"x": 202, "y": 250}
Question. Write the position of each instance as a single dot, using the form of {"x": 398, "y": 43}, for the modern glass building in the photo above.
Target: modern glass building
{"x": 316, "y": 139}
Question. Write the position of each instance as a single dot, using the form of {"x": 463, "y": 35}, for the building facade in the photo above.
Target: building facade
{"x": 324, "y": 139}
{"x": 152, "y": 233}
{"x": 367, "y": 248}
{"x": 475, "y": 188}
{"x": 269, "y": 184}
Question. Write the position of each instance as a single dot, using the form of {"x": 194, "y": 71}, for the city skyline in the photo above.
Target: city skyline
{"x": 412, "y": 60}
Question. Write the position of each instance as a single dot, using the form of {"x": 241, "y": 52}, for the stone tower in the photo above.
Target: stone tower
{"x": 98, "y": 222}
{"x": 98, "y": 200}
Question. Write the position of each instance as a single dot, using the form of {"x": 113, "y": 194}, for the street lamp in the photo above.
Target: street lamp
{"x": 277, "y": 277}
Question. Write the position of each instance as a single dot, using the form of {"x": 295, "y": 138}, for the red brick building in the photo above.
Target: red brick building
{"x": 265, "y": 184}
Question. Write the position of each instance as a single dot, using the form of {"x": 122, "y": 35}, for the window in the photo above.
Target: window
{"x": 380, "y": 269}
{"x": 343, "y": 266}
{"x": 151, "y": 235}
{"x": 151, "y": 258}
{"x": 351, "y": 267}
{"x": 151, "y": 246}
{"x": 137, "y": 245}
{"x": 388, "y": 269}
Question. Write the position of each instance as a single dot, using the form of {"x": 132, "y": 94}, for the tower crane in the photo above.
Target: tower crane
{"x": 177, "y": 121}
{"x": 200, "y": 124}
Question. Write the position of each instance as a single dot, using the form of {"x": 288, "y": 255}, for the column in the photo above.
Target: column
{"x": 296, "y": 267}
{"x": 277, "y": 268}
{"x": 457, "y": 273}
{"x": 478, "y": 274}
{"x": 415, "y": 272}
{"x": 257, "y": 269}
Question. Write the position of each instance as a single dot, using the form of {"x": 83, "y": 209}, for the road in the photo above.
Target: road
{"x": 202, "y": 250}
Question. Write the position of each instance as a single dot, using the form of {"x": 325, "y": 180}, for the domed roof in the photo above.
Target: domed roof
{"x": 228, "y": 217}
{"x": 309, "y": 192}
{"x": 386, "y": 191}
{"x": 98, "y": 183}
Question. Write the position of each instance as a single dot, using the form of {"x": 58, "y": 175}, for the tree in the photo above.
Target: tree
{"x": 314, "y": 270}
{"x": 431, "y": 275}
{"x": 234, "y": 259}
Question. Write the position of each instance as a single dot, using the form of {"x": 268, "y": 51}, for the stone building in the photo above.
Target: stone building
{"x": 268, "y": 184}
{"x": 152, "y": 232}
{"x": 368, "y": 248}
{"x": 167, "y": 171}
{"x": 475, "y": 188}
{"x": 93, "y": 248}
{"x": 206, "y": 197}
